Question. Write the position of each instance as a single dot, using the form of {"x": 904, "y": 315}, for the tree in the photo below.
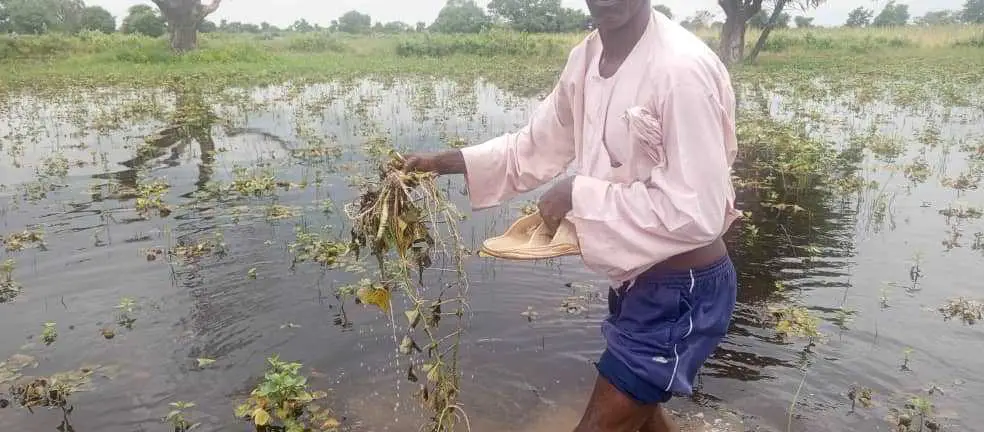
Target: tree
{"x": 301, "y": 26}
{"x": 461, "y": 16}
{"x": 394, "y": 27}
{"x": 803, "y": 22}
{"x": 183, "y": 18}
{"x": 355, "y": 22}
{"x": 207, "y": 27}
{"x": 761, "y": 20}
{"x": 536, "y": 16}
{"x": 143, "y": 19}
{"x": 701, "y": 20}
{"x": 894, "y": 14}
{"x": 40, "y": 16}
{"x": 859, "y": 17}
{"x": 973, "y": 12}
{"x": 937, "y": 18}
{"x": 776, "y": 18}
{"x": 665, "y": 10}
{"x": 737, "y": 13}
{"x": 95, "y": 18}
{"x": 421, "y": 26}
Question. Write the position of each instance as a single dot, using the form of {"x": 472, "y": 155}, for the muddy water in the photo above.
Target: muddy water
{"x": 853, "y": 253}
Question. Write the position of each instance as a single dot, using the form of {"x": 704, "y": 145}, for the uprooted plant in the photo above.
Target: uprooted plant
{"x": 403, "y": 219}
{"x": 9, "y": 288}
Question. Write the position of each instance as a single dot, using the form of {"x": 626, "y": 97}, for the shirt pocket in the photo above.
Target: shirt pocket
{"x": 646, "y": 138}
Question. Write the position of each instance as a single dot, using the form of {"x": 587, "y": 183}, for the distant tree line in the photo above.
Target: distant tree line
{"x": 457, "y": 16}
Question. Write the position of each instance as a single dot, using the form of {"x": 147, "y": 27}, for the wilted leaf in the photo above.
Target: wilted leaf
{"x": 205, "y": 362}
{"x": 261, "y": 417}
{"x": 375, "y": 295}
{"x": 413, "y": 317}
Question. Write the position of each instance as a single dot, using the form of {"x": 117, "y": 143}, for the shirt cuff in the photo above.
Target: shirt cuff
{"x": 484, "y": 171}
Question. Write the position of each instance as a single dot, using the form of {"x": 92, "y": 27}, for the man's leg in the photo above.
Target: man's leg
{"x": 659, "y": 421}
{"x": 609, "y": 410}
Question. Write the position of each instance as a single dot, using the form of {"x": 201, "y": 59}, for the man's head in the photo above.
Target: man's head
{"x": 610, "y": 15}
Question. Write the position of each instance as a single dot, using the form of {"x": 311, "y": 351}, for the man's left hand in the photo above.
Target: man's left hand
{"x": 556, "y": 203}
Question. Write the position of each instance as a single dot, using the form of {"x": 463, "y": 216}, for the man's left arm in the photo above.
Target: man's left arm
{"x": 685, "y": 203}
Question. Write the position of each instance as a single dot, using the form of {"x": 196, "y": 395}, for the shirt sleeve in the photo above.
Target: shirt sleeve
{"x": 517, "y": 162}
{"x": 687, "y": 202}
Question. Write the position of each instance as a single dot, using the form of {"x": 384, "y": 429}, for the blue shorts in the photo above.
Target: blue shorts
{"x": 662, "y": 329}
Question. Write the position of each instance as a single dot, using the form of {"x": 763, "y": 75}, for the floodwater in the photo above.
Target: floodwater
{"x": 849, "y": 259}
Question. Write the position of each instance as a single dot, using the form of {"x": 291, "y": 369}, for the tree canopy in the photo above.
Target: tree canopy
{"x": 355, "y": 22}
{"x": 859, "y": 17}
{"x": 538, "y": 16}
{"x": 940, "y": 17}
{"x": 461, "y": 16}
{"x": 894, "y": 14}
{"x": 803, "y": 22}
{"x": 145, "y": 20}
{"x": 761, "y": 19}
{"x": 973, "y": 12}
{"x": 41, "y": 16}
{"x": 96, "y": 18}
{"x": 664, "y": 9}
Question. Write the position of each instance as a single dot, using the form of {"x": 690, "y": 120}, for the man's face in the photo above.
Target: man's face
{"x": 613, "y": 14}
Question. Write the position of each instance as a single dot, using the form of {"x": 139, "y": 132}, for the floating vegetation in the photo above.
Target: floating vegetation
{"x": 124, "y": 313}
{"x": 205, "y": 362}
{"x": 858, "y": 394}
{"x": 150, "y": 198}
{"x": 966, "y": 310}
{"x": 277, "y": 212}
{"x": 283, "y": 401}
{"x": 395, "y": 215}
{"x": 916, "y": 415}
{"x": 9, "y": 288}
{"x": 16, "y": 242}
{"x": 256, "y": 183}
{"x": 796, "y": 322}
{"x": 49, "y": 334}
{"x": 205, "y": 247}
{"x": 177, "y": 418}
{"x": 311, "y": 247}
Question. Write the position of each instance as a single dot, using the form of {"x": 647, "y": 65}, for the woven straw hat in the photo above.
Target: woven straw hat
{"x": 529, "y": 239}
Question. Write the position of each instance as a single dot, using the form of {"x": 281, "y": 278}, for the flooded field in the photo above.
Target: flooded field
{"x": 160, "y": 246}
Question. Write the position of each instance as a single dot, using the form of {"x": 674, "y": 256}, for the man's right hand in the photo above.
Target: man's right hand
{"x": 448, "y": 162}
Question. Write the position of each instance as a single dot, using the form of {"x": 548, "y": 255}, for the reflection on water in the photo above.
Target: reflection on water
{"x": 74, "y": 167}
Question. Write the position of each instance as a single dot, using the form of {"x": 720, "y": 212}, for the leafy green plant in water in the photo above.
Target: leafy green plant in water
{"x": 191, "y": 252}
{"x": 177, "y": 419}
{"x": 312, "y": 247}
{"x": 258, "y": 183}
{"x": 283, "y": 401}
{"x": 125, "y": 311}
{"x": 150, "y": 197}
{"x": 9, "y": 288}
{"x": 905, "y": 358}
{"x": 796, "y": 322}
{"x": 49, "y": 334}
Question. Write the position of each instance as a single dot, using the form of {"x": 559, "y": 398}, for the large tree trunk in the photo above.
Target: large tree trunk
{"x": 183, "y": 18}
{"x": 737, "y": 13}
{"x": 760, "y": 43}
{"x": 732, "y": 48}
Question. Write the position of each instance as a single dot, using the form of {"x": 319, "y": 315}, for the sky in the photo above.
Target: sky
{"x": 284, "y": 12}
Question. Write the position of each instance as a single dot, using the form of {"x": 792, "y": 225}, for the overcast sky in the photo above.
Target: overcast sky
{"x": 285, "y": 12}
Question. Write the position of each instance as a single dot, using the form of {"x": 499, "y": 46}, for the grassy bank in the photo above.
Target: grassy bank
{"x": 95, "y": 59}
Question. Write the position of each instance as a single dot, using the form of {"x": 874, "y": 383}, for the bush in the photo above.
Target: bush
{"x": 974, "y": 42}
{"x": 490, "y": 44}
{"x": 315, "y": 43}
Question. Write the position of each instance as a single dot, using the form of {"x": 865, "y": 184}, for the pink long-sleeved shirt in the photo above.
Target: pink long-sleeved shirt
{"x": 652, "y": 148}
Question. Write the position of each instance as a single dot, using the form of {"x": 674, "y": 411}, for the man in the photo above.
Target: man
{"x": 644, "y": 111}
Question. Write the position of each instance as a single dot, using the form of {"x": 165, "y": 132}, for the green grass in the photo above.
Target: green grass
{"x": 523, "y": 63}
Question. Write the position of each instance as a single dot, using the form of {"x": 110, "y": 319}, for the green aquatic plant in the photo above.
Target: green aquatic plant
{"x": 49, "y": 334}
{"x": 9, "y": 288}
{"x": 177, "y": 417}
{"x": 150, "y": 197}
{"x": 283, "y": 401}
{"x": 125, "y": 311}
{"x": 309, "y": 246}
{"x": 796, "y": 322}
